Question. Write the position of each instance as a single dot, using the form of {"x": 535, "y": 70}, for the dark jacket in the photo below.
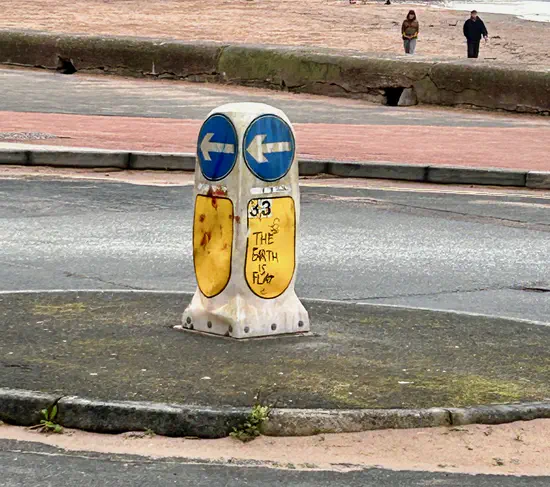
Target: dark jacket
{"x": 410, "y": 29}
{"x": 474, "y": 30}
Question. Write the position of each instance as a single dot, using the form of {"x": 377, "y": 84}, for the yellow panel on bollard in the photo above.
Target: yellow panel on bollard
{"x": 247, "y": 214}
{"x": 270, "y": 253}
{"x": 212, "y": 243}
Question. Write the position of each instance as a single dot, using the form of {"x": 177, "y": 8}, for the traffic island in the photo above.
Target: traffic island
{"x": 118, "y": 350}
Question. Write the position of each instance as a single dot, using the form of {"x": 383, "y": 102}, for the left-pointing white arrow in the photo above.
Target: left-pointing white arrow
{"x": 257, "y": 148}
{"x": 207, "y": 147}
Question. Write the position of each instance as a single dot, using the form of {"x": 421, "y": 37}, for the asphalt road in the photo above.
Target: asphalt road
{"x": 472, "y": 252}
{"x": 31, "y": 464}
{"x": 48, "y": 92}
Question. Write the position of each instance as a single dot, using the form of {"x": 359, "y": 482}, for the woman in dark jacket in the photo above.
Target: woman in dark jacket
{"x": 409, "y": 31}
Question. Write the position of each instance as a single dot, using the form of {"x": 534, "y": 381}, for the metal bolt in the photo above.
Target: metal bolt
{"x": 273, "y": 326}
{"x": 209, "y": 324}
{"x": 246, "y": 329}
{"x": 188, "y": 320}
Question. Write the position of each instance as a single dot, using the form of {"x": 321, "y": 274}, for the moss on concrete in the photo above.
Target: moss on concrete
{"x": 274, "y": 66}
{"x": 141, "y": 57}
{"x": 58, "y": 309}
{"x": 109, "y": 54}
{"x": 486, "y": 86}
{"x": 36, "y": 49}
{"x": 317, "y": 70}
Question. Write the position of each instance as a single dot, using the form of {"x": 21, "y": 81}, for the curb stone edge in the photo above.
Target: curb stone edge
{"x": 22, "y": 407}
{"x": 141, "y": 160}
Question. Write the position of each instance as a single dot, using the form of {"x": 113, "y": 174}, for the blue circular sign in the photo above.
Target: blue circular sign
{"x": 269, "y": 147}
{"x": 217, "y": 147}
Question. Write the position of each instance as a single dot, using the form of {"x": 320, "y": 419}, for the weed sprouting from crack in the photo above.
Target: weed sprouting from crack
{"x": 251, "y": 428}
{"x": 48, "y": 423}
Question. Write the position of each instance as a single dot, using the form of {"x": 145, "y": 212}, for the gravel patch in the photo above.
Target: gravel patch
{"x": 12, "y": 136}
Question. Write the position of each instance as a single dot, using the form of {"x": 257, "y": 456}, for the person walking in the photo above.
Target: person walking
{"x": 409, "y": 31}
{"x": 474, "y": 30}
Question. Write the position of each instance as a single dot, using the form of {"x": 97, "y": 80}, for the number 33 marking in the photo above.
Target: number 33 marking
{"x": 259, "y": 209}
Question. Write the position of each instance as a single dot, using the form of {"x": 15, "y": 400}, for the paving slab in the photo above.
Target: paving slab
{"x": 382, "y": 170}
{"x": 538, "y": 179}
{"x": 144, "y": 160}
{"x": 465, "y": 175}
{"x": 121, "y": 346}
{"x": 79, "y": 159}
{"x": 11, "y": 156}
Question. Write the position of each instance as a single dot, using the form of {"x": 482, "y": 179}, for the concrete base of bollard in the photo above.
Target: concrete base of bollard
{"x": 249, "y": 318}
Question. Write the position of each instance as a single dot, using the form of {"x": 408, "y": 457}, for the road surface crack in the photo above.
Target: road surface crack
{"x": 99, "y": 279}
{"x": 439, "y": 293}
{"x": 427, "y": 211}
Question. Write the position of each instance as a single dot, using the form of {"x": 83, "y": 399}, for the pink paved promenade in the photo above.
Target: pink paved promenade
{"x": 511, "y": 147}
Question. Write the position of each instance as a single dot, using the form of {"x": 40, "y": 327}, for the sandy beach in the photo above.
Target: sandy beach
{"x": 370, "y": 27}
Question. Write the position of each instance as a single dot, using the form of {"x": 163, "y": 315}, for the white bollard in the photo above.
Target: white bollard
{"x": 247, "y": 212}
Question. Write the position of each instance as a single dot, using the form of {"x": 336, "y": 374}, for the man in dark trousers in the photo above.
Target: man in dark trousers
{"x": 474, "y": 29}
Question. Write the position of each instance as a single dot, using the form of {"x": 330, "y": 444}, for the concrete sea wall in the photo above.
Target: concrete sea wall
{"x": 384, "y": 79}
